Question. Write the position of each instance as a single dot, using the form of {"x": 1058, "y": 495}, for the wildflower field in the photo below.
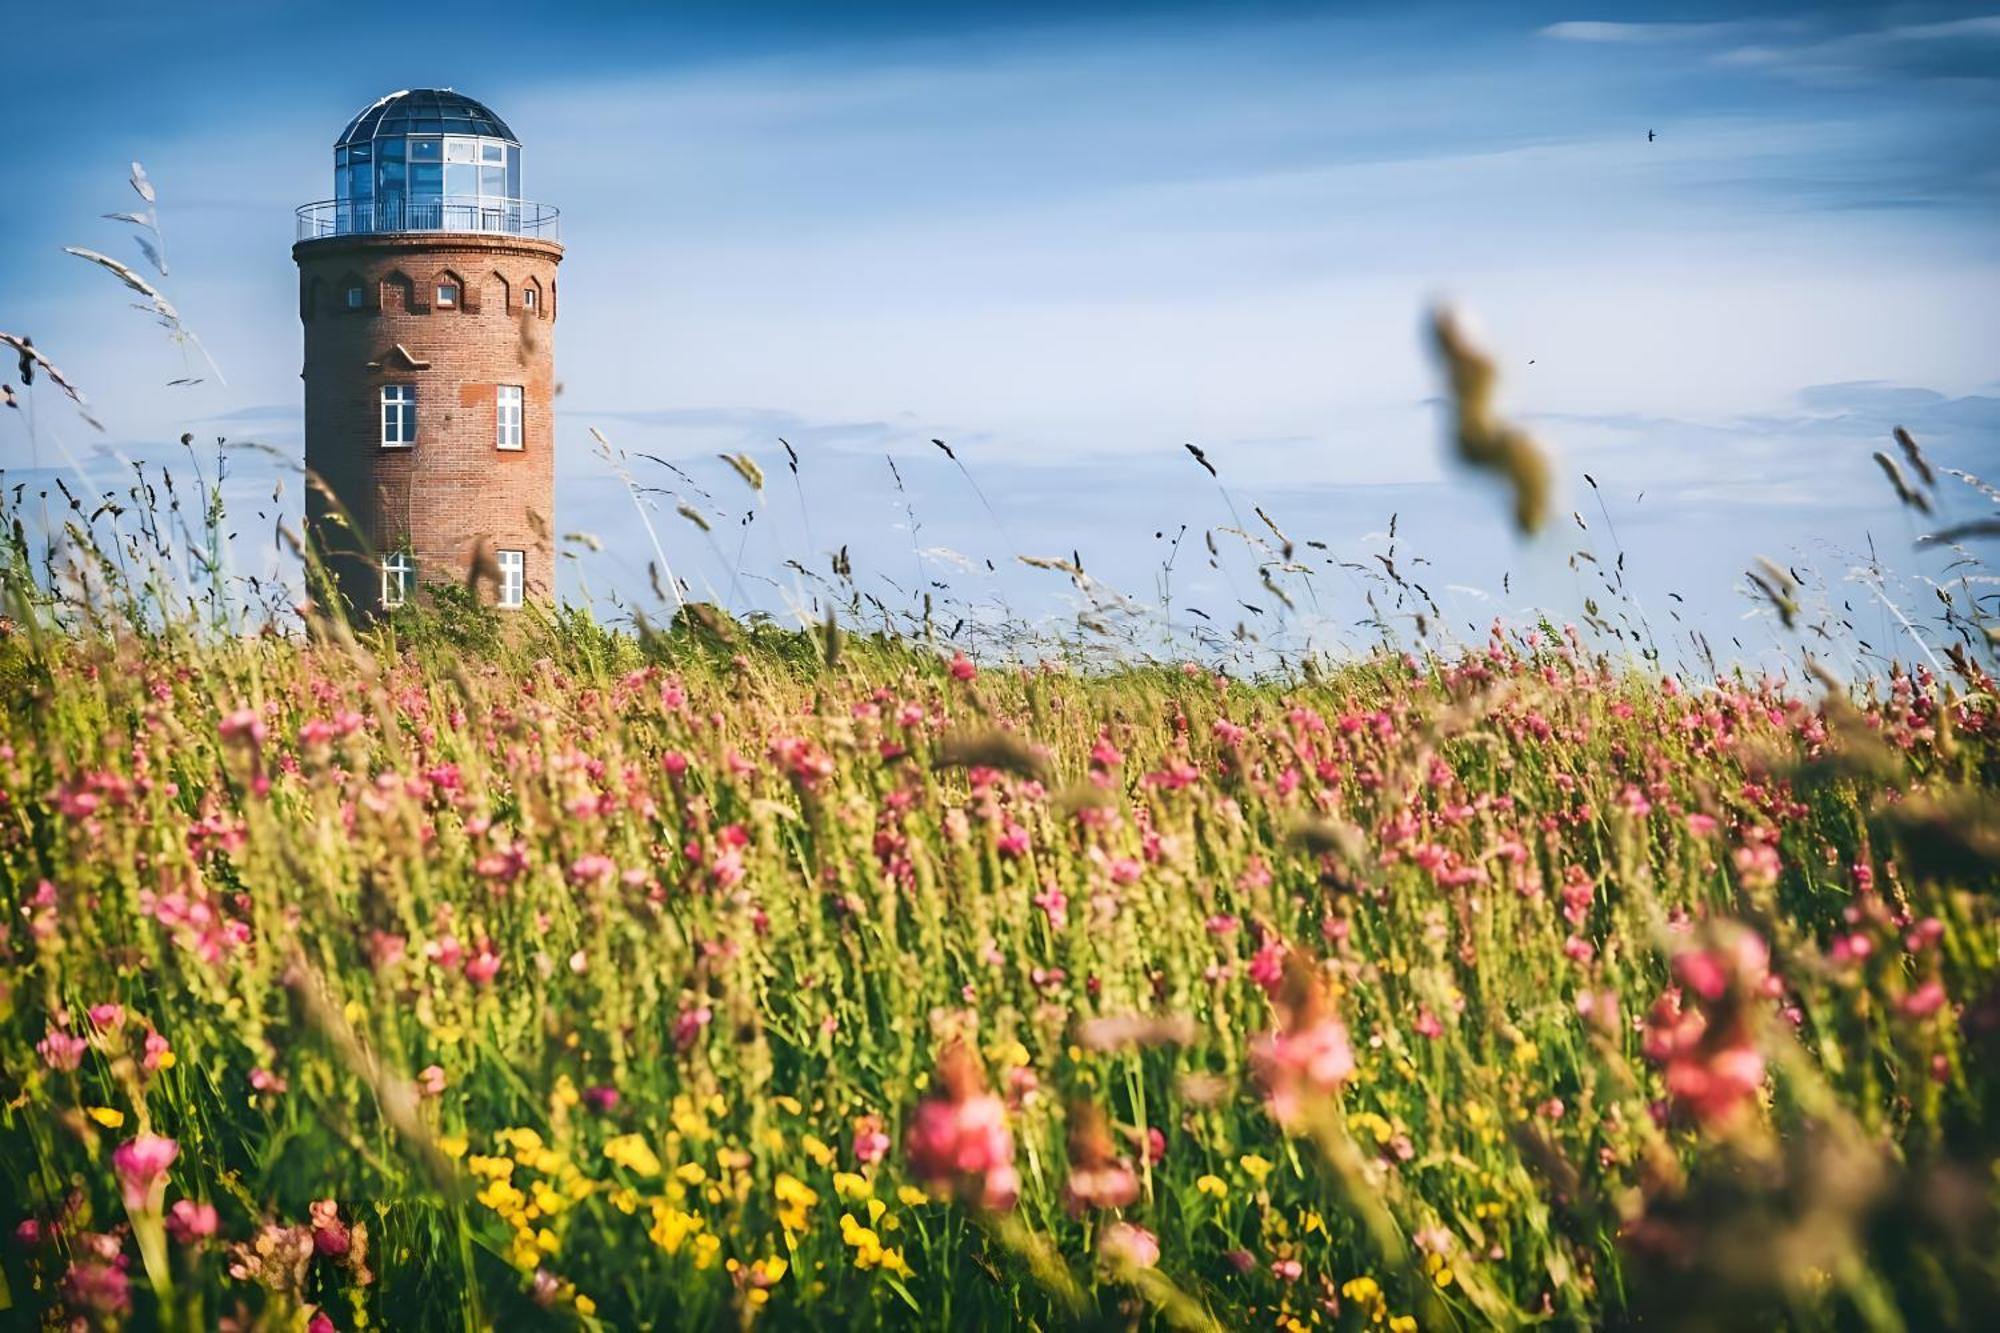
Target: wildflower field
{"x": 730, "y": 978}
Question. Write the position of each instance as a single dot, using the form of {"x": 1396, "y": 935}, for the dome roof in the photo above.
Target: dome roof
{"x": 424, "y": 111}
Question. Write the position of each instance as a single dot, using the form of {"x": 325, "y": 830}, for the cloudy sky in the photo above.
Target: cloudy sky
{"x": 1069, "y": 239}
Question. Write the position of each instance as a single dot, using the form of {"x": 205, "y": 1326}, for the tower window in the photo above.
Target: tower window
{"x": 507, "y": 416}
{"x": 355, "y": 296}
{"x": 399, "y": 416}
{"x": 399, "y": 579}
{"x": 528, "y": 298}
{"x": 513, "y": 577}
{"x": 447, "y": 295}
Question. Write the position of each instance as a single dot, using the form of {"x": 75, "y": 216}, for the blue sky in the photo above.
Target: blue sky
{"x": 1069, "y": 238}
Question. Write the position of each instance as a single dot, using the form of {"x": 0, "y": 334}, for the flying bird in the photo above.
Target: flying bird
{"x": 1649, "y": 136}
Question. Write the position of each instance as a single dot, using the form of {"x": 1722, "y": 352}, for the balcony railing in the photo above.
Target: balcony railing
{"x": 482, "y": 214}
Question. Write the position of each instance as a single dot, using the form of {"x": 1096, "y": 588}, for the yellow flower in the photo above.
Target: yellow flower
{"x": 586, "y": 1306}
{"x": 690, "y": 1172}
{"x": 706, "y": 1247}
{"x": 671, "y": 1227}
{"x": 625, "y": 1199}
{"x": 788, "y": 1104}
{"x": 453, "y": 1146}
{"x": 1403, "y": 1323}
{"x": 1371, "y": 1124}
{"x": 565, "y": 1094}
{"x": 1214, "y": 1185}
{"x": 1312, "y": 1222}
{"x": 107, "y": 1116}
{"x": 910, "y": 1196}
{"x": 850, "y": 1186}
{"x": 634, "y": 1154}
{"x": 1256, "y": 1166}
{"x": 817, "y": 1149}
{"x": 1525, "y": 1053}
{"x": 168, "y": 1060}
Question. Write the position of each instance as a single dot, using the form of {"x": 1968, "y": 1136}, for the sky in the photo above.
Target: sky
{"x": 1069, "y": 240}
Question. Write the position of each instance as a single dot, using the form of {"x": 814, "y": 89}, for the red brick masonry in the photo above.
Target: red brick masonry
{"x": 439, "y": 498}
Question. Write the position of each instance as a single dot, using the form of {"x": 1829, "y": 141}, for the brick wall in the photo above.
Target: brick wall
{"x": 454, "y": 489}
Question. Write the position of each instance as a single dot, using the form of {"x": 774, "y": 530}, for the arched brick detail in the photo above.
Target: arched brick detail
{"x": 453, "y": 489}
{"x": 399, "y": 295}
{"x": 468, "y": 300}
{"x": 312, "y": 296}
{"x": 532, "y": 284}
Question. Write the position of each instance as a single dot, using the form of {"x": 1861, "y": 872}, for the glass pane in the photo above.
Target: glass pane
{"x": 493, "y": 181}
{"x": 461, "y": 150}
{"x": 426, "y": 178}
{"x": 340, "y": 157}
{"x": 391, "y": 175}
{"x": 357, "y": 153}
{"x": 390, "y": 148}
{"x": 493, "y": 152}
{"x": 461, "y": 181}
{"x": 425, "y": 150}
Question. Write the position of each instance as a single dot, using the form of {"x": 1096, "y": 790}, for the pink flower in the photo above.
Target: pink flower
{"x": 483, "y": 966}
{"x": 603, "y": 1098}
{"x": 61, "y": 1050}
{"x": 1307, "y": 1057}
{"x": 870, "y": 1143}
{"x": 158, "y": 1048}
{"x": 1708, "y": 1054}
{"x": 1124, "y": 1246}
{"x": 962, "y": 667}
{"x": 1924, "y": 1001}
{"x": 141, "y": 1165}
{"x": 689, "y": 1024}
{"x": 431, "y": 1081}
{"x": 958, "y": 1140}
{"x": 190, "y": 1223}
{"x": 330, "y": 1235}
{"x": 109, "y": 1017}
{"x": 1287, "y": 1270}
{"x": 321, "y": 1324}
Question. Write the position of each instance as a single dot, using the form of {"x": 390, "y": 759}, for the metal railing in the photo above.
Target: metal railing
{"x": 505, "y": 217}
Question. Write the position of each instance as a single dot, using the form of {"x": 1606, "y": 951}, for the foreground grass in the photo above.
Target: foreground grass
{"x": 576, "y": 980}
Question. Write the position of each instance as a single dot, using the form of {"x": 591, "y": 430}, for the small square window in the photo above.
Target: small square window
{"x": 507, "y": 416}
{"x": 513, "y": 577}
{"x": 529, "y": 298}
{"x": 355, "y": 296}
{"x": 447, "y": 294}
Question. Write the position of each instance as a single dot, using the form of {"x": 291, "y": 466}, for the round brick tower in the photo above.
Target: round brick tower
{"x": 427, "y": 287}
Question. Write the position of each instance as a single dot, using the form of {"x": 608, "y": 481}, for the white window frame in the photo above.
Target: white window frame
{"x": 531, "y": 299}
{"x": 447, "y": 296}
{"x": 356, "y": 298}
{"x": 510, "y": 417}
{"x": 399, "y": 579}
{"x": 399, "y": 416}
{"x": 513, "y": 578}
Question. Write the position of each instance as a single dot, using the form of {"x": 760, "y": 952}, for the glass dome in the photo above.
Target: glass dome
{"x": 427, "y": 159}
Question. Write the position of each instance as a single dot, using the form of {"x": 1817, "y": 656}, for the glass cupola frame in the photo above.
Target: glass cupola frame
{"x": 426, "y": 159}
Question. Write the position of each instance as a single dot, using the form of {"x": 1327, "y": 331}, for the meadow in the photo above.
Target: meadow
{"x": 729, "y": 977}
{"x": 460, "y": 973}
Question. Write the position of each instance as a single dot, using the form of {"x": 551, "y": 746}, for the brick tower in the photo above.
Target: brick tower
{"x": 427, "y": 287}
